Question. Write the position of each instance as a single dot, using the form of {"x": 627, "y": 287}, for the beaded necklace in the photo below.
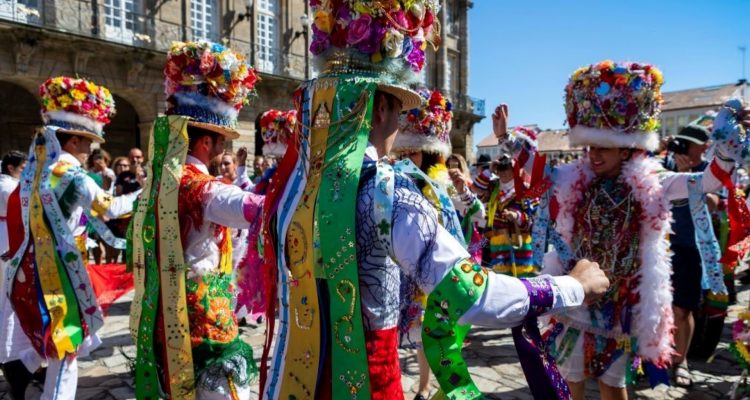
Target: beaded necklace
{"x": 607, "y": 223}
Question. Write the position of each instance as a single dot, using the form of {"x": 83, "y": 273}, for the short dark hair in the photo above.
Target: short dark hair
{"x": 195, "y": 134}
{"x": 63, "y": 137}
{"x": 14, "y": 158}
{"x": 391, "y": 100}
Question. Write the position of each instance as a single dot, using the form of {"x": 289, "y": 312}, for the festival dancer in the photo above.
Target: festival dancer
{"x": 182, "y": 319}
{"x": 423, "y": 144}
{"x": 613, "y": 208}
{"x": 510, "y": 211}
{"x": 277, "y": 128}
{"x": 51, "y": 292}
{"x": 346, "y": 225}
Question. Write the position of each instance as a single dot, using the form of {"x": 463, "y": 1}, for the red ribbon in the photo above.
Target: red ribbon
{"x": 739, "y": 217}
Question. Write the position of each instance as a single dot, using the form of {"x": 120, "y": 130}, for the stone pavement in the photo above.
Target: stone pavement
{"x": 492, "y": 360}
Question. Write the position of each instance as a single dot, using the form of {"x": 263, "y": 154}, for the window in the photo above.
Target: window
{"x": 451, "y": 17}
{"x": 26, "y": 11}
{"x": 119, "y": 20}
{"x": 267, "y": 35}
{"x": 682, "y": 121}
{"x": 203, "y": 19}
{"x": 451, "y": 76}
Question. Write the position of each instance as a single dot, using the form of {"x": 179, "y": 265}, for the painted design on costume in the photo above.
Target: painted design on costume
{"x": 713, "y": 275}
{"x": 442, "y": 337}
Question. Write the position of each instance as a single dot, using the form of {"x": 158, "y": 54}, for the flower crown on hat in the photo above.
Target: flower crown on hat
{"x": 428, "y": 127}
{"x": 374, "y": 36}
{"x": 277, "y": 128}
{"x": 76, "y": 104}
{"x": 613, "y": 104}
{"x": 208, "y": 82}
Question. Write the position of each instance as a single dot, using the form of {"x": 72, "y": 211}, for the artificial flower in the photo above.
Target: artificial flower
{"x": 393, "y": 43}
{"x": 359, "y": 29}
{"x": 324, "y": 21}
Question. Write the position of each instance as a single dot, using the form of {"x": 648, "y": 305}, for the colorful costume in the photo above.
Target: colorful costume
{"x": 50, "y": 289}
{"x": 277, "y": 128}
{"x": 182, "y": 318}
{"x": 340, "y": 226}
{"x": 621, "y": 223}
{"x": 427, "y": 130}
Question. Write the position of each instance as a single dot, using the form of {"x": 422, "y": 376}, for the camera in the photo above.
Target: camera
{"x": 678, "y": 146}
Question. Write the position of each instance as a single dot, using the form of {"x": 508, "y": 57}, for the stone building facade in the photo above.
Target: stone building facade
{"x": 122, "y": 44}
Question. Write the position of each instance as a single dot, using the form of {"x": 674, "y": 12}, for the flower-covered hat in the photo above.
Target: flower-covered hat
{"x": 383, "y": 39}
{"x": 276, "y": 128}
{"x": 77, "y": 106}
{"x": 208, "y": 83}
{"x": 614, "y": 105}
{"x": 428, "y": 127}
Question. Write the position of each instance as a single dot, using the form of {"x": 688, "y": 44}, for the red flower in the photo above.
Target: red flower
{"x": 338, "y": 36}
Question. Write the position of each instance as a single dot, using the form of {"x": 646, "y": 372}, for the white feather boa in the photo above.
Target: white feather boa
{"x": 653, "y": 322}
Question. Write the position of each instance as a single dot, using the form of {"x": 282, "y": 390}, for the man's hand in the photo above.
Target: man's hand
{"x": 241, "y": 156}
{"x": 683, "y": 162}
{"x": 459, "y": 182}
{"x": 592, "y": 278}
{"x": 500, "y": 121}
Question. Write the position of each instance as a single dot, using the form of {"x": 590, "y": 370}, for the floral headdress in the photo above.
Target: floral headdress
{"x": 77, "y": 106}
{"x": 209, "y": 83}
{"x": 428, "y": 127}
{"x": 386, "y": 39}
{"x": 277, "y": 128}
{"x": 614, "y": 105}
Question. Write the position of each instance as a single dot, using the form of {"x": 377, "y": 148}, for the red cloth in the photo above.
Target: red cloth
{"x": 382, "y": 360}
{"x": 110, "y": 282}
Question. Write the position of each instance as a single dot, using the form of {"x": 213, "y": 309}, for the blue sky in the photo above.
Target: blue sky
{"x": 522, "y": 52}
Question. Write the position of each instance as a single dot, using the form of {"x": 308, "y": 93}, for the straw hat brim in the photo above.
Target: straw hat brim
{"x": 409, "y": 98}
{"x": 229, "y": 133}
{"x": 88, "y": 135}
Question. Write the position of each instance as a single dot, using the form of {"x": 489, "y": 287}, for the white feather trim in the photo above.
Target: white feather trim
{"x": 209, "y": 103}
{"x": 411, "y": 142}
{"x": 274, "y": 149}
{"x": 587, "y": 136}
{"x": 653, "y": 313}
{"x": 78, "y": 119}
{"x": 653, "y": 321}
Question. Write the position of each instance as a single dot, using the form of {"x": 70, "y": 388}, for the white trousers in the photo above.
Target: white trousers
{"x": 62, "y": 379}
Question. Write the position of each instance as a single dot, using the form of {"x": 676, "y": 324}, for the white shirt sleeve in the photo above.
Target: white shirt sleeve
{"x": 230, "y": 206}
{"x": 675, "y": 184}
{"x": 427, "y": 252}
{"x": 243, "y": 181}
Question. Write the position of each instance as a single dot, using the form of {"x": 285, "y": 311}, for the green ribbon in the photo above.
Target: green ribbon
{"x": 347, "y": 140}
{"x": 146, "y": 367}
{"x": 442, "y": 336}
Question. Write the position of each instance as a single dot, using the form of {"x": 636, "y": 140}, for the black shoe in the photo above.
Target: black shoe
{"x": 18, "y": 378}
{"x": 419, "y": 397}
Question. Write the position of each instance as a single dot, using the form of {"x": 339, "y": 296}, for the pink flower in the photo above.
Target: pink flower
{"x": 359, "y": 29}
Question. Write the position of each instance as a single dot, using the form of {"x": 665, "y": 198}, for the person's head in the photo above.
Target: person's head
{"x": 607, "y": 162}
{"x": 458, "y": 161}
{"x": 78, "y": 146}
{"x": 13, "y": 163}
{"x": 268, "y": 162}
{"x": 503, "y": 168}
{"x": 695, "y": 141}
{"x": 120, "y": 165}
{"x": 204, "y": 144}
{"x": 258, "y": 165}
{"x": 228, "y": 166}
{"x": 385, "y": 121}
{"x": 136, "y": 156}
{"x": 97, "y": 161}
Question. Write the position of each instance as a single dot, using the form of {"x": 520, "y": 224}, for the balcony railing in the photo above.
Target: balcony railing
{"x": 463, "y": 102}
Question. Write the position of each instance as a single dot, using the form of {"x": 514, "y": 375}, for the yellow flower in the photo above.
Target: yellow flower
{"x": 64, "y": 100}
{"x": 324, "y": 21}
{"x": 657, "y": 75}
{"x": 651, "y": 125}
{"x": 77, "y": 94}
{"x": 92, "y": 87}
{"x": 51, "y": 106}
{"x": 376, "y": 57}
